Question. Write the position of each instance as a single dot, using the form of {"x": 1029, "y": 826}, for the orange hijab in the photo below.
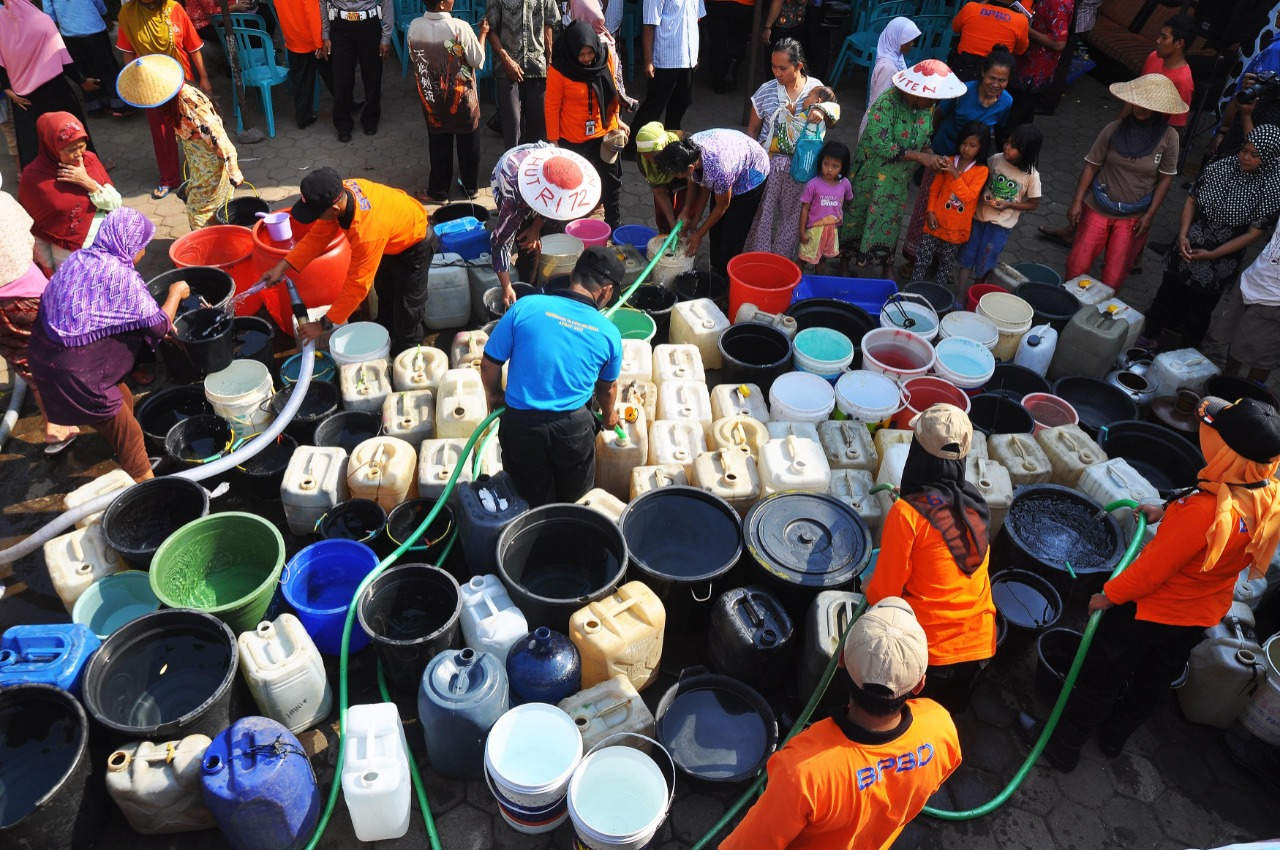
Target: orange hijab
{"x": 1223, "y": 475}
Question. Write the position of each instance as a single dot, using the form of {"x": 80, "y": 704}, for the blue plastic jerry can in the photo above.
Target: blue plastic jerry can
{"x": 51, "y": 654}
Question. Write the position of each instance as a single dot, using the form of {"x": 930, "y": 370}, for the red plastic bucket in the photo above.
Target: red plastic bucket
{"x": 977, "y": 291}
{"x": 763, "y": 279}
{"x": 1049, "y": 411}
{"x": 923, "y": 393}
{"x": 225, "y": 246}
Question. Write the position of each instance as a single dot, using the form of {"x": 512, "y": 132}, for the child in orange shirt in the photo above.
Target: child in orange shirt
{"x": 953, "y": 199}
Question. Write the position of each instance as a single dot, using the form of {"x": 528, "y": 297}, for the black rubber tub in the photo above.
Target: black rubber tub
{"x": 1097, "y": 403}
{"x": 716, "y": 728}
{"x": 198, "y": 440}
{"x": 658, "y": 302}
{"x": 1234, "y": 389}
{"x": 404, "y": 519}
{"x": 320, "y": 403}
{"x": 754, "y": 353}
{"x": 348, "y": 429}
{"x": 1055, "y": 650}
{"x": 253, "y": 339}
{"x": 204, "y": 343}
{"x": 209, "y": 284}
{"x": 849, "y": 319}
{"x": 263, "y": 473}
{"x": 1029, "y": 604}
{"x": 1052, "y": 305}
{"x": 695, "y": 284}
{"x": 143, "y": 516}
{"x": 159, "y": 411}
{"x": 361, "y": 520}
{"x": 241, "y": 211}
{"x": 1049, "y": 527}
{"x": 1169, "y": 461}
{"x": 411, "y": 612}
{"x": 1013, "y": 381}
{"x": 991, "y": 413}
{"x": 940, "y": 298}
{"x": 464, "y": 209}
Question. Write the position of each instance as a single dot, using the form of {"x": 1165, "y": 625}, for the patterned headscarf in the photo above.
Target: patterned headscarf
{"x": 1227, "y": 194}
{"x": 96, "y": 292}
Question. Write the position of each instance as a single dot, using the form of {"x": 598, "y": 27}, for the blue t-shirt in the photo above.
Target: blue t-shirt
{"x": 558, "y": 347}
{"x": 954, "y": 114}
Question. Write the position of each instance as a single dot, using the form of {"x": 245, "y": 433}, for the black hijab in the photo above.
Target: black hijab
{"x": 1135, "y": 139}
{"x": 937, "y": 489}
{"x": 597, "y": 76}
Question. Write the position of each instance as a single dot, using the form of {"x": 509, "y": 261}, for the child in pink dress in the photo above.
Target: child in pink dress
{"x": 822, "y": 206}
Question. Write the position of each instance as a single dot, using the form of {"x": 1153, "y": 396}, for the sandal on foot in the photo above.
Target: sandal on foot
{"x": 142, "y": 377}
{"x": 61, "y": 446}
{"x": 160, "y": 192}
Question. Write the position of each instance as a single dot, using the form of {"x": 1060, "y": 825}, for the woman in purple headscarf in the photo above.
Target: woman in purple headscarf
{"x": 95, "y": 315}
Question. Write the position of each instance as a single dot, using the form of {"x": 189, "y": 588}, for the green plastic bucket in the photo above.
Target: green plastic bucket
{"x": 225, "y": 564}
{"x": 634, "y": 324}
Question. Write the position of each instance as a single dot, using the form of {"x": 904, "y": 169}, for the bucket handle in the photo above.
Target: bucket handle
{"x": 226, "y": 205}
{"x": 671, "y": 793}
{"x": 697, "y": 598}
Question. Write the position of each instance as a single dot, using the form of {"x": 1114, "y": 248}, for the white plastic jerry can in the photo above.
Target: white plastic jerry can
{"x": 793, "y": 463}
{"x": 608, "y": 708}
{"x": 781, "y": 321}
{"x": 685, "y": 401}
{"x": 314, "y": 481}
{"x": 978, "y": 447}
{"x": 637, "y": 360}
{"x": 887, "y": 437}
{"x": 410, "y": 416}
{"x": 678, "y": 363}
{"x": 77, "y": 559}
{"x": 700, "y": 322}
{"x": 739, "y": 400}
{"x": 364, "y": 386}
{"x": 1185, "y": 367}
{"x": 382, "y": 470}
{"x": 438, "y": 458}
{"x": 640, "y": 395}
{"x": 731, "y": 475}
{"x": 676, "y": 441}
{"x": 848, "y": 445}
{"x": 1089, "y": 290}
{"x": 646, "y": 478}
{"x": 1070, "y": 451}
{"x": 605, "y": 502}
{"x": 461, "y": 404}
{"x": 992, "y": 481}
{"x": 1123, "y": 310}
{"x": 780, "y": 429}
{"x": 1022, "y": 456}
{"x": 740, "y": 434}
{"x": 468, "y": 346}
{"x": 892, "y": 462}
{"x": 158, "y": 785}
{"x": 491, "y": 622}
{"x": 375, "y": 772}
{"x": 617, "y": 455}
{"x": 853, "y": 487}
{"x": 828, "y": 618}
{"x": 285, "y": 673}
{"x": 448, "y": 292}
{"x": 116, "y": 479}
{"x": 1117, "y": 479}
{"x": 419, "y": 368}
{"x": 1035, "y": 349}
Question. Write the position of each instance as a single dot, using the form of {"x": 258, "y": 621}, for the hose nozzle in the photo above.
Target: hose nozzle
{"x": 299, "y": 307}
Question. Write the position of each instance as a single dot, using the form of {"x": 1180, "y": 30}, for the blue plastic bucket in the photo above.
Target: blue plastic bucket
{"x": 635, "y": 235}
{"x": 823, "y": 352}
{"x": 320, "y": 583}
{"x": 1039, "y": 273}
{"x": 113, "y": 601}
{"x": 325, "y": 369}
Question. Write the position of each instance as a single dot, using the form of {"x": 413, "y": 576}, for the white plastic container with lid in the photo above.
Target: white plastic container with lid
{"x": 116, "y": 479}
{"x": 642, "y": 395}
{"x": 364, "y": 385}
{"x": 1071, "y": 451}
{"x": 887, "y": 437}
{"x": 676, "y": 441}
{"x": 848, "y": 445}
{"x": 608, "y": 708}
{"x": 892, "y": 462}
{"x": 869, "y": 397}
{"x": 1088, "y": 289}
{"x": 678, "y": 363}
{"x": 793, "y": 463}
{"x": 285, "y": 673}
{"x": 1022, "y": 456}
{"x": 467, "y": 346}
{"x": 383, "y": 470}
{"x": 240, "y": 394}
{"x": 1123, "y": 310}
{"x": 159, "y": 786}
{"x": 1185, "y": 367}
{"x": 411, "y": 416}
{"x": 461, "y": 403}
{"x": 646, "y": 478}
{"x": 1035, "y": 350}
{"x": 781, "y": 321}
{"x": 437, "y": 459}
{"x": 801, "y": 397}
{"x": 491, "y": 622}
{"x": 448, "y": 292}
{"x": 77, "y": 559}
{"x": 605, "y": 502}
{"x": 419, "y": 368}
{"x": 992, "y": 481}
{"x": 375, "y": 772}
{"x": 739, "y": 400}
{"x": 1116, "y": 479}
{"x": 731, "y": 475}
{"x": 314, "y": 481}
{"x": 356, "y": 342}
{"x": 738, "y": 433}
{"x": 637, "y": 360}
{"x": 699, "y": 322}
{"x": 685, "y": 401}
{"x": 620, "y": 634}
{"x": 853, "y": 486}
{"x": 1012, "y": 317}
{"x": 617, "y": 455}
{"x": 968, "y": 325}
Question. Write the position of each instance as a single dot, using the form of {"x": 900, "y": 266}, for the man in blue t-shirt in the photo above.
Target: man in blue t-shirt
{"x": 562, "y": 353}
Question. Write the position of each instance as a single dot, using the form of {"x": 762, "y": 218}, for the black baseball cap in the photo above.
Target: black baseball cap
{"x": 1249, "y": 427}
{"x": 320, "y": 189}
{"x": 602, "y": 260}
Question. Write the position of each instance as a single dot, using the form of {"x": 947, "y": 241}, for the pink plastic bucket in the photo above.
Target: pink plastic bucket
{"x": 1049, "y": 411}
{"x": 922, "y": 393}
{"x": 592, "y": 231}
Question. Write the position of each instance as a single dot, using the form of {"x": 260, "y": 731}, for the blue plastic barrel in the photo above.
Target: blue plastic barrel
{"x": 259, "y": 786}
{"x": 320, "y": 582}
{"x": 48, "y": 654}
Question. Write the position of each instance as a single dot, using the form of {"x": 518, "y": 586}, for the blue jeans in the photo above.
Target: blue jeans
{"x": 982, "y": 251}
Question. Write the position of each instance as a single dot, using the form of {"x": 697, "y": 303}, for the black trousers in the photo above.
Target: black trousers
{"x": 303, "y": 68}
{"x": 401, "y": 285}
{"x": 1179, "y": 303}
{"x": 610, "y": 177}
{"x": 356, "y": 42}
{"x": 522, "y": 107}
{"x": 671, "y": 89}
{"x": 441, "y": 146}
{"x": 817, "y": 42}
{"x": 729, "y": 234}
{"x": 728, "y": 29}
{"x": 1124, "y": 677}
{"x": 550, "y": 455}
{"x": 951, "y": 685}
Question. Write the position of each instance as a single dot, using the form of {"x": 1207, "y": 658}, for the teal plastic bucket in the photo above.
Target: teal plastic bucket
{"x": 823, "y": 352}
{"x": 320, "y": 583}
{"x": 1039, "y": 273}
{"x": 325, "y": 369}
{"x": 634, "y": 324}
{"x": 115, "y": 600}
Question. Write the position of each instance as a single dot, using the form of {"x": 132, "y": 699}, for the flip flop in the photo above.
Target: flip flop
{"x": 161, "y": 192}
{"x": 142, "y": 378}
{"x": 61, "y": 446}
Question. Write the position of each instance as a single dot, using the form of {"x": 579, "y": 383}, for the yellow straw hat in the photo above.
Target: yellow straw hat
{"x": 1152, "y": 91}
{"x": 149, "y": 81}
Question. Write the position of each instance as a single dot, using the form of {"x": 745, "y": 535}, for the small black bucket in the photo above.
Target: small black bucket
{"x": 241, "y": 211}
{"x": 205, "y": 344}
{"x": 361, "y": 520}
{"x": 160, "y": 410}
{"x": 940, "y": 298}
{"x": 753, "y": 353}
{"x": 695, "y": 284}
{"x": 1015, "y": 382}
{"x": 658, "y": 302}
{"x": 198, "y": 440}
{"x": 716, "y": 728}
{"x": 253, "y": 338}
{"x": 1055, "y": 650}
{"x": 848, "y": 319}
{"x": 411, "y": 612}
{"x": 405, "y": 518}
{"x": 263, "y": 473}
{"x": 318, "y": 406}
{"x": 144, "y": 515}
{"x": 1051, "y": 304}
{"x": 1028, "y": 602}
{"x": 995, "y": 414}
{"x": 209, "y": 284}
{"x": 347, "y": 429}
{"x": 453, "y": 212}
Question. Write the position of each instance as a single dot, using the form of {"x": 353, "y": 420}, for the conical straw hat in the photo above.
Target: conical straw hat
{"x": 1152, "y": 91}
{"x": 149, "y": 81}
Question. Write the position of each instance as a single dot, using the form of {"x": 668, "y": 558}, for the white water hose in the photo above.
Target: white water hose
{"x": 15, "y": 405}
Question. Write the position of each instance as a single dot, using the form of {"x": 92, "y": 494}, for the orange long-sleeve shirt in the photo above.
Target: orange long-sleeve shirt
{"x": 955, "y": 610}
{"x": 1166, "y": 579}
{"x": 385, "y": 221}
{"x": 300, "y": 24}
{"x": 567, "y": 111}
{"x": 954, "y": 200}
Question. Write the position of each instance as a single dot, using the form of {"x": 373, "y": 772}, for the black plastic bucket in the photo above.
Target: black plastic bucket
{"x": 263, "y": 473}
{"x": 209, "y": 284}
{"x": 716, "y": 728}
{"x": 361, "y": 520}
{"x": 1097, "y": 403}
{"x": 849, "y": 319}
{"x": 1055, "y": 650}
{"x": 1028, "y": 602}
{"x": 940, "y": 298}
{"x": 995, "y": 414}
{"x": 1167, "y": 460}
{"x": 658, "y": 302}
{"x": 163, "y": 676}
{"x": 557, "y": 558}
{"x": 143, "y": 516}
{"x": 497, "y": 307}
{"x": 253, "y": 338}
{"x": 695, "y": 284}
{"x": 1049, "y": 526}
{"x": 198, "y": 440}
{"x": 753, "y": 353}
{"x": 405, "y": 518}
{"x": 464, "y": 209}
{"x": 1233, "y": 389}
{"x": 159, "y": 411}
{"x": 411, "y": 612}
{"x": 241, "y": 211}
{"x": 318, "y": 405}
{"x": 347, "y": 429}
{"x": 205, "y": 344}
{"x": 1013, "y": 381}
{"x": 49, "y": 800}
{"x": 1051, "y": 304}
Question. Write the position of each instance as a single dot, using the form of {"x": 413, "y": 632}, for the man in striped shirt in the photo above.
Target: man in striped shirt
{"x": 670, "y": 41}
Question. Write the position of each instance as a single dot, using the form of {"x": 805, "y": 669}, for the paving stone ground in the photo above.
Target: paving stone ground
{"x": 1173, "y": 787}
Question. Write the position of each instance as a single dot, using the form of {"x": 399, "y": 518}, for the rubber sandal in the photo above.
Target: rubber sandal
{"x": 142, "y": 378}
{"x": 160, "y": 192}
{"x": 59, "y": 447}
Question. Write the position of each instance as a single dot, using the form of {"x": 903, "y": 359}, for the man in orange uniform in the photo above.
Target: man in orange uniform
{"x": 1158, "y": 608}
{"x": 853, "y": 781}
{"x": 300, "y": 25}
{"x": 934, "y": 553}
{"x": 390, "y": 250}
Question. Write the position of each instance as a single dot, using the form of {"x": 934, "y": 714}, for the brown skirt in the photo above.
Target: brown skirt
{"x": 17, "y": 318}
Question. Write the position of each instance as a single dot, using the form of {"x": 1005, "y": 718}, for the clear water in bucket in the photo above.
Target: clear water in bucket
{"x": 1021, "y": 604}
{"x": 961, "y": 365}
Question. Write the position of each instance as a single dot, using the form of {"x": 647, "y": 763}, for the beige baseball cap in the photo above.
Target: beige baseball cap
{"x": 886, "y": 646}
{"x": 944, "y": 431}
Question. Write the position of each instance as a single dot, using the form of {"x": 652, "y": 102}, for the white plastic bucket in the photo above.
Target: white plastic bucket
{"x": 801, "y": 397}
{"x": 970, "y": 326}
{"x": 869, "y": 397}
{"x": 897, "y": 353}
{"x": 239, "y": 394}
{"x": 529, "y": 757}
{"x": 1262, "y": 715}
{"x": 618, "y": 797}
{"x": 822, "y": 352}
{"x": 359, "y": 341}
{"x": 278, "y": 226}
{"x": 913, "y": 310}
{"x": 964, "y": 362}
{"x": 1012, "y": 317}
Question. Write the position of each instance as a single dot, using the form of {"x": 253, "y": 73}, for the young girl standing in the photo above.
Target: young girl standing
{"x": 1013, "y": 187}
{"x": 953, "y": 198}
{"x": 822, "y": 206}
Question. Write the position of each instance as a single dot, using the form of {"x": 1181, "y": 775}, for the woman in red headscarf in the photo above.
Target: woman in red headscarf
{"x": 65, "y": 190}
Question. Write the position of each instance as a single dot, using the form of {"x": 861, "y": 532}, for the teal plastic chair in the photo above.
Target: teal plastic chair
{"x": 935, "y": 39}
{"x": 258, "y": 68}
{"x": 632, "y": 25}
{"x": 406, "y": 11}
{"x": 859, "y": 48}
